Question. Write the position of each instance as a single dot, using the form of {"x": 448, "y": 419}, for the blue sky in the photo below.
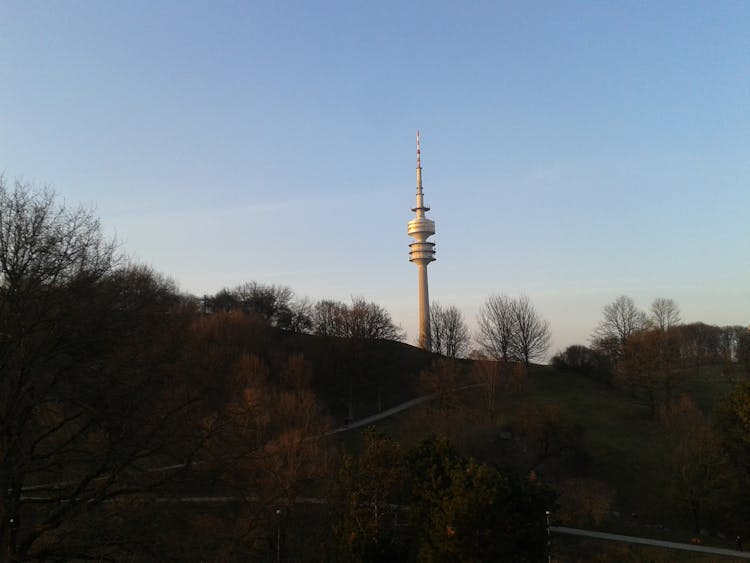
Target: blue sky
{"x": 572, "y": 151}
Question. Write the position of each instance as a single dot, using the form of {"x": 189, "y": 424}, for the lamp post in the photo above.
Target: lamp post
{"x": 278, "y": 535}
{"x": 549, "y": 538}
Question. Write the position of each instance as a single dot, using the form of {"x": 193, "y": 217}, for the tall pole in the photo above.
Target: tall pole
{"x": 549, "y": 538}
{"x": 278, "y": 535}
{"x": 422, "y": 252}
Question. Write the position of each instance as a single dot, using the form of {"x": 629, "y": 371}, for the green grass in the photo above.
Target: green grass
{"x": 625, "y": 446}
{"x": 622, "y": 440}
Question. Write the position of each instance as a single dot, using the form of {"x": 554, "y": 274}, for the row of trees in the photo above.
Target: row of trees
{"x": 625, "y": 330}
{"x": 622, "y": 318}
{"x": 361, "y": 319}
{"x": 695, "y": 342}
{"x": 278, "y": 306}
{"x": 650, "y": 354}
{"x": 510, "y": 329}
{"x": 275, "y": 304}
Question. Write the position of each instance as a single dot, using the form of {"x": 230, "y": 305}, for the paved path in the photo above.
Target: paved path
{"x": 393, "y": 410}
{"x": 648, "y": 541}
{"x": 355, "y": 424}
{"x": 381, "y": 415}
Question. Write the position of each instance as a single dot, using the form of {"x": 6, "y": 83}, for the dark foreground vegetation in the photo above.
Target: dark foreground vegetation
{"x": 140, "y": 424}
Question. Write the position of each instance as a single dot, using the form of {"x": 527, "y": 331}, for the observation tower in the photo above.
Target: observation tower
{"x": 422, "y": 252}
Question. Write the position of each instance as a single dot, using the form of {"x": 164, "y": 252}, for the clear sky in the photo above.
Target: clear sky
{"x": 572, "y": 151}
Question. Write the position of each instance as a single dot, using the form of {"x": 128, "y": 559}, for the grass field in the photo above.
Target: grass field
{"x": 624, "y": 446}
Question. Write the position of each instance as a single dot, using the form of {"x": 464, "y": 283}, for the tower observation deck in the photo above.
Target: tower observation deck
{"x": 422, "y": 252}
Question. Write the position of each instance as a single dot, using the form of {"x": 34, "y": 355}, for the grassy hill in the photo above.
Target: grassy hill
{"x": 613, "y": 441}
{"x": 357, "y": 378}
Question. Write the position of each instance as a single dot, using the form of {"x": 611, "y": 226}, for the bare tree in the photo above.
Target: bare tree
{"x": 511, "y": 329}
{"x": 649, "y": 363}
{"x": 496, "y": 376}
{"x": 531, "y": 339}
{"x": 86, "y": 402}
{"x": 276, "y": 304}
{"x": 369, "y": 320}
{"x": 362, "y": 319}
{"x": 665, "y": 313}
{"x": 266, "y": 300}
{"x": 450, "y": 335}
{"x": 621, "y": 319}
{"x": 487, "y": 372}
{"x": 700, "y": 344}
{"x": 301, "y": 320}
{"x": 497, "y": 327}
{"x": 328, "y": 318}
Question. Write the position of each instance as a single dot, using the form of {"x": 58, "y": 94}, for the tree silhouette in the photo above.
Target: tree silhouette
{"x": 86, "y": 404}
{"x": 450, "y": 335}
{"x": 621, "y": 319}
{"x": 511, "y": 329}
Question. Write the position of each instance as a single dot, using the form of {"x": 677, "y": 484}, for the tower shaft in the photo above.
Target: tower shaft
{"x": 425, "y": 336}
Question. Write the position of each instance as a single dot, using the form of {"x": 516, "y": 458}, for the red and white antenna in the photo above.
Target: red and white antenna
{"x": 419, "y": 152}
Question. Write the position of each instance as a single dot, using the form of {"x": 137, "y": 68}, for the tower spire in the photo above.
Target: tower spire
{"x": 420, "y": 197}
{"x": 419, "y": 158}
{"x": 422, "y": 252}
